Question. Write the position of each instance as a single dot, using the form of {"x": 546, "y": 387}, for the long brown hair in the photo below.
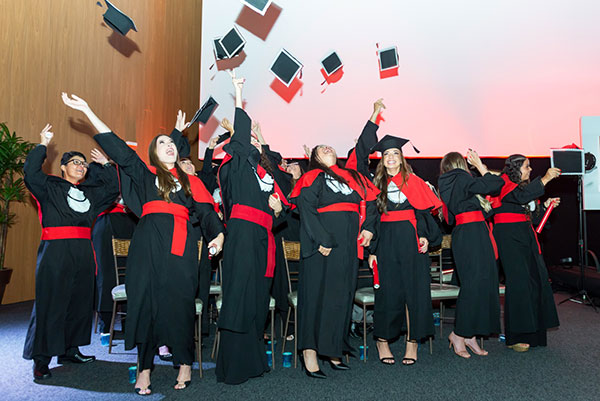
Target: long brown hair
{"x": 315, "y": 162}
{"x": 454, "y": 160}
{"x": 381, "y": 180}
{"x": 166, "y": 180}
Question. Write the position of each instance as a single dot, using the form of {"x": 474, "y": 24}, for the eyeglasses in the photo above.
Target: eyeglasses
{"x": 78, "y": 162}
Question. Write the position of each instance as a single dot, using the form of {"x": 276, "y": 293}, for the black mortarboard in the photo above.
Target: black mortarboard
{"x": 331, "y": 63}
{"x": 388, "y": 58}
{"x": 389, "y": 141}
{"x": 204, "y": 112}
{"x": 224, "y": 137}
{"x": 260, "y": 6}
{"x": 218, "y": 49}
{"x": 286, "y": 67}
{"x": 232, "y": 43}
{"x": 117, "y": 20}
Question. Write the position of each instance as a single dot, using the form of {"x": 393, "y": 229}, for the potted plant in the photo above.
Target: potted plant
{"x": 13, "y": 150}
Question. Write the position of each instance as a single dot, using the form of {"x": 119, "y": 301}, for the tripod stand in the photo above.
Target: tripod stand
{"x": 582, "y": 296}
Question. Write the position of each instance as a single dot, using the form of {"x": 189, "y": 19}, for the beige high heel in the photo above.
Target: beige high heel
{"x": 463, "y": 354}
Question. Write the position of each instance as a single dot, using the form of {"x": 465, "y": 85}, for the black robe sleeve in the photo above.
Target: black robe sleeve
{"x": 103, "y": 182}
{"x": 366, "y": 140}
{"x": 181, "y": 142}
{"x": 210, "y": 224}
{"x": 525, "y": 194}
{"x": 307, "y": 203}
{"x": 35, "y": 179}
{"x": 486, "y": 185}
{"x": 428, "y": 228}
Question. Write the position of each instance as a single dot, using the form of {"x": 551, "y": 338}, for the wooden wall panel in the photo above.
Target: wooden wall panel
{"x": 135, "y": 84}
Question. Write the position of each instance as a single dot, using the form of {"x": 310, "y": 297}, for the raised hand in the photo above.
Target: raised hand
{"x": 75, "y": 102}
{"x": 258, "y": 132}
{"x": 180, "y": 124}
{"x": 225, "y": 123}
{"x": 238, "y": 83}
{"x": 378, "y": 107}
{"x": 213, "y": 142}
{"x": 46, "y": 135}
{"x": 551, "y": 174}
{"x": 98, "y": 157}
{"x": 306, "y": 151}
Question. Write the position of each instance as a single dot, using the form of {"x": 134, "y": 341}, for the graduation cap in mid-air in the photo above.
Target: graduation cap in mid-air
{"x": 218, "y": 49}
{"x": 232, "y": 43}
{"x": 117, "y": 19}
{"x": 389, "y": 142}
{"x": 388, "y": 58}
{"x": 331, "y": 63}
{"x": 204, "y": 112}
{"x": 286, "y": 67}
{"x": 260, "y": 6}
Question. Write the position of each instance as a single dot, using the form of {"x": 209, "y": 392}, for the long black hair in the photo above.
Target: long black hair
{"x": 315, "y": 162}
{"x": 512, "y": 168}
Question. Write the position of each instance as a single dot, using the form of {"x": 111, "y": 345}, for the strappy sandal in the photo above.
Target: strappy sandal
{"x": 409, "y": 361}
{"x": 388, "y": 360}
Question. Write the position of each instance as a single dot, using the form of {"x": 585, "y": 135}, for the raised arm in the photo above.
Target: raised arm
{"x": 78, "y": 103}
{"x": 35, "y": 179}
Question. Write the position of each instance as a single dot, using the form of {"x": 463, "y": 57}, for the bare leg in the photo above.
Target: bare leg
{"x": 143, "y": 382}
{"x": 184, "y": 377}
{"x": 410, "y": 355}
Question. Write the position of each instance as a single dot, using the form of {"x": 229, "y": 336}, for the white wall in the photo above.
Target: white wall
{"x": 501, "y": 77}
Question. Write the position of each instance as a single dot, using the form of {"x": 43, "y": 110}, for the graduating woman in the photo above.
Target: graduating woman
{"x": 473, "y": 248}
{"x": 252, "y": 202}
{"x": 337, "y": 219}
{"x": 406, "y": 230}
{"x": 529, "y": 303}
{"x": 162, "y": 265}
{"x": 65, "y": 263}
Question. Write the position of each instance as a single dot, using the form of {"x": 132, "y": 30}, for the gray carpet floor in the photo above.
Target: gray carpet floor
{"x": 568, "y": 369}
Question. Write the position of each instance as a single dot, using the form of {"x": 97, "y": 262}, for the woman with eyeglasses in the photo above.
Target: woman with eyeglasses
{"x": 162, "y": 265}
{"x": 61, "y": 320}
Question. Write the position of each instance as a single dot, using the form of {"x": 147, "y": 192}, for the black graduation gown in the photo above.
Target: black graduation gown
{"x": 120, "y": 224}
{"x": 161, "y": 286}
{"x": 529, "y": 307}
{"x": 478, "y": 304}
{"x": 245, "y": 287}
{"x": 327, "y": 283}
{"x": 64, "y": 291}
{"x": 404, "y": 275}
{"x": 403, "y": 272}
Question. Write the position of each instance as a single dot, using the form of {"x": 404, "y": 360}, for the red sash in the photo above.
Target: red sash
{"x": 350, "y": 207}
{"x": 116, "y": 208}
{"x": 402, "y": 215}
{"x": 66, "y": 232}
{"x": 263, "y": 219}
{"x": 181, "y": 215}
{"x": 476, "y": 216}
{"x": 503, "y": 218}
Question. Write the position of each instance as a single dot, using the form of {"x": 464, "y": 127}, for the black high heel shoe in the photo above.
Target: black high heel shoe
{"x": 186, "y": 383}
{"x": 314, "y": 375}
{"x": 338, "y": 366}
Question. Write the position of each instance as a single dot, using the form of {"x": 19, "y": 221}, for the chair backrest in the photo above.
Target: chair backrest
{"x": 291, "y": 253}
{"x": 444, "y": 259}
{"x": 199, "y": 251}
{"x": 120, "y": 249}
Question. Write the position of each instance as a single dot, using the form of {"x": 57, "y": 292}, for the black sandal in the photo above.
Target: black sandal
{"x": 388, "y": 360}
{"x": 410, "y": 361}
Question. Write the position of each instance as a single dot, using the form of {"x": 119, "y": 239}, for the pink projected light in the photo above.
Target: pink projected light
{"x": 499, "y": 77}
